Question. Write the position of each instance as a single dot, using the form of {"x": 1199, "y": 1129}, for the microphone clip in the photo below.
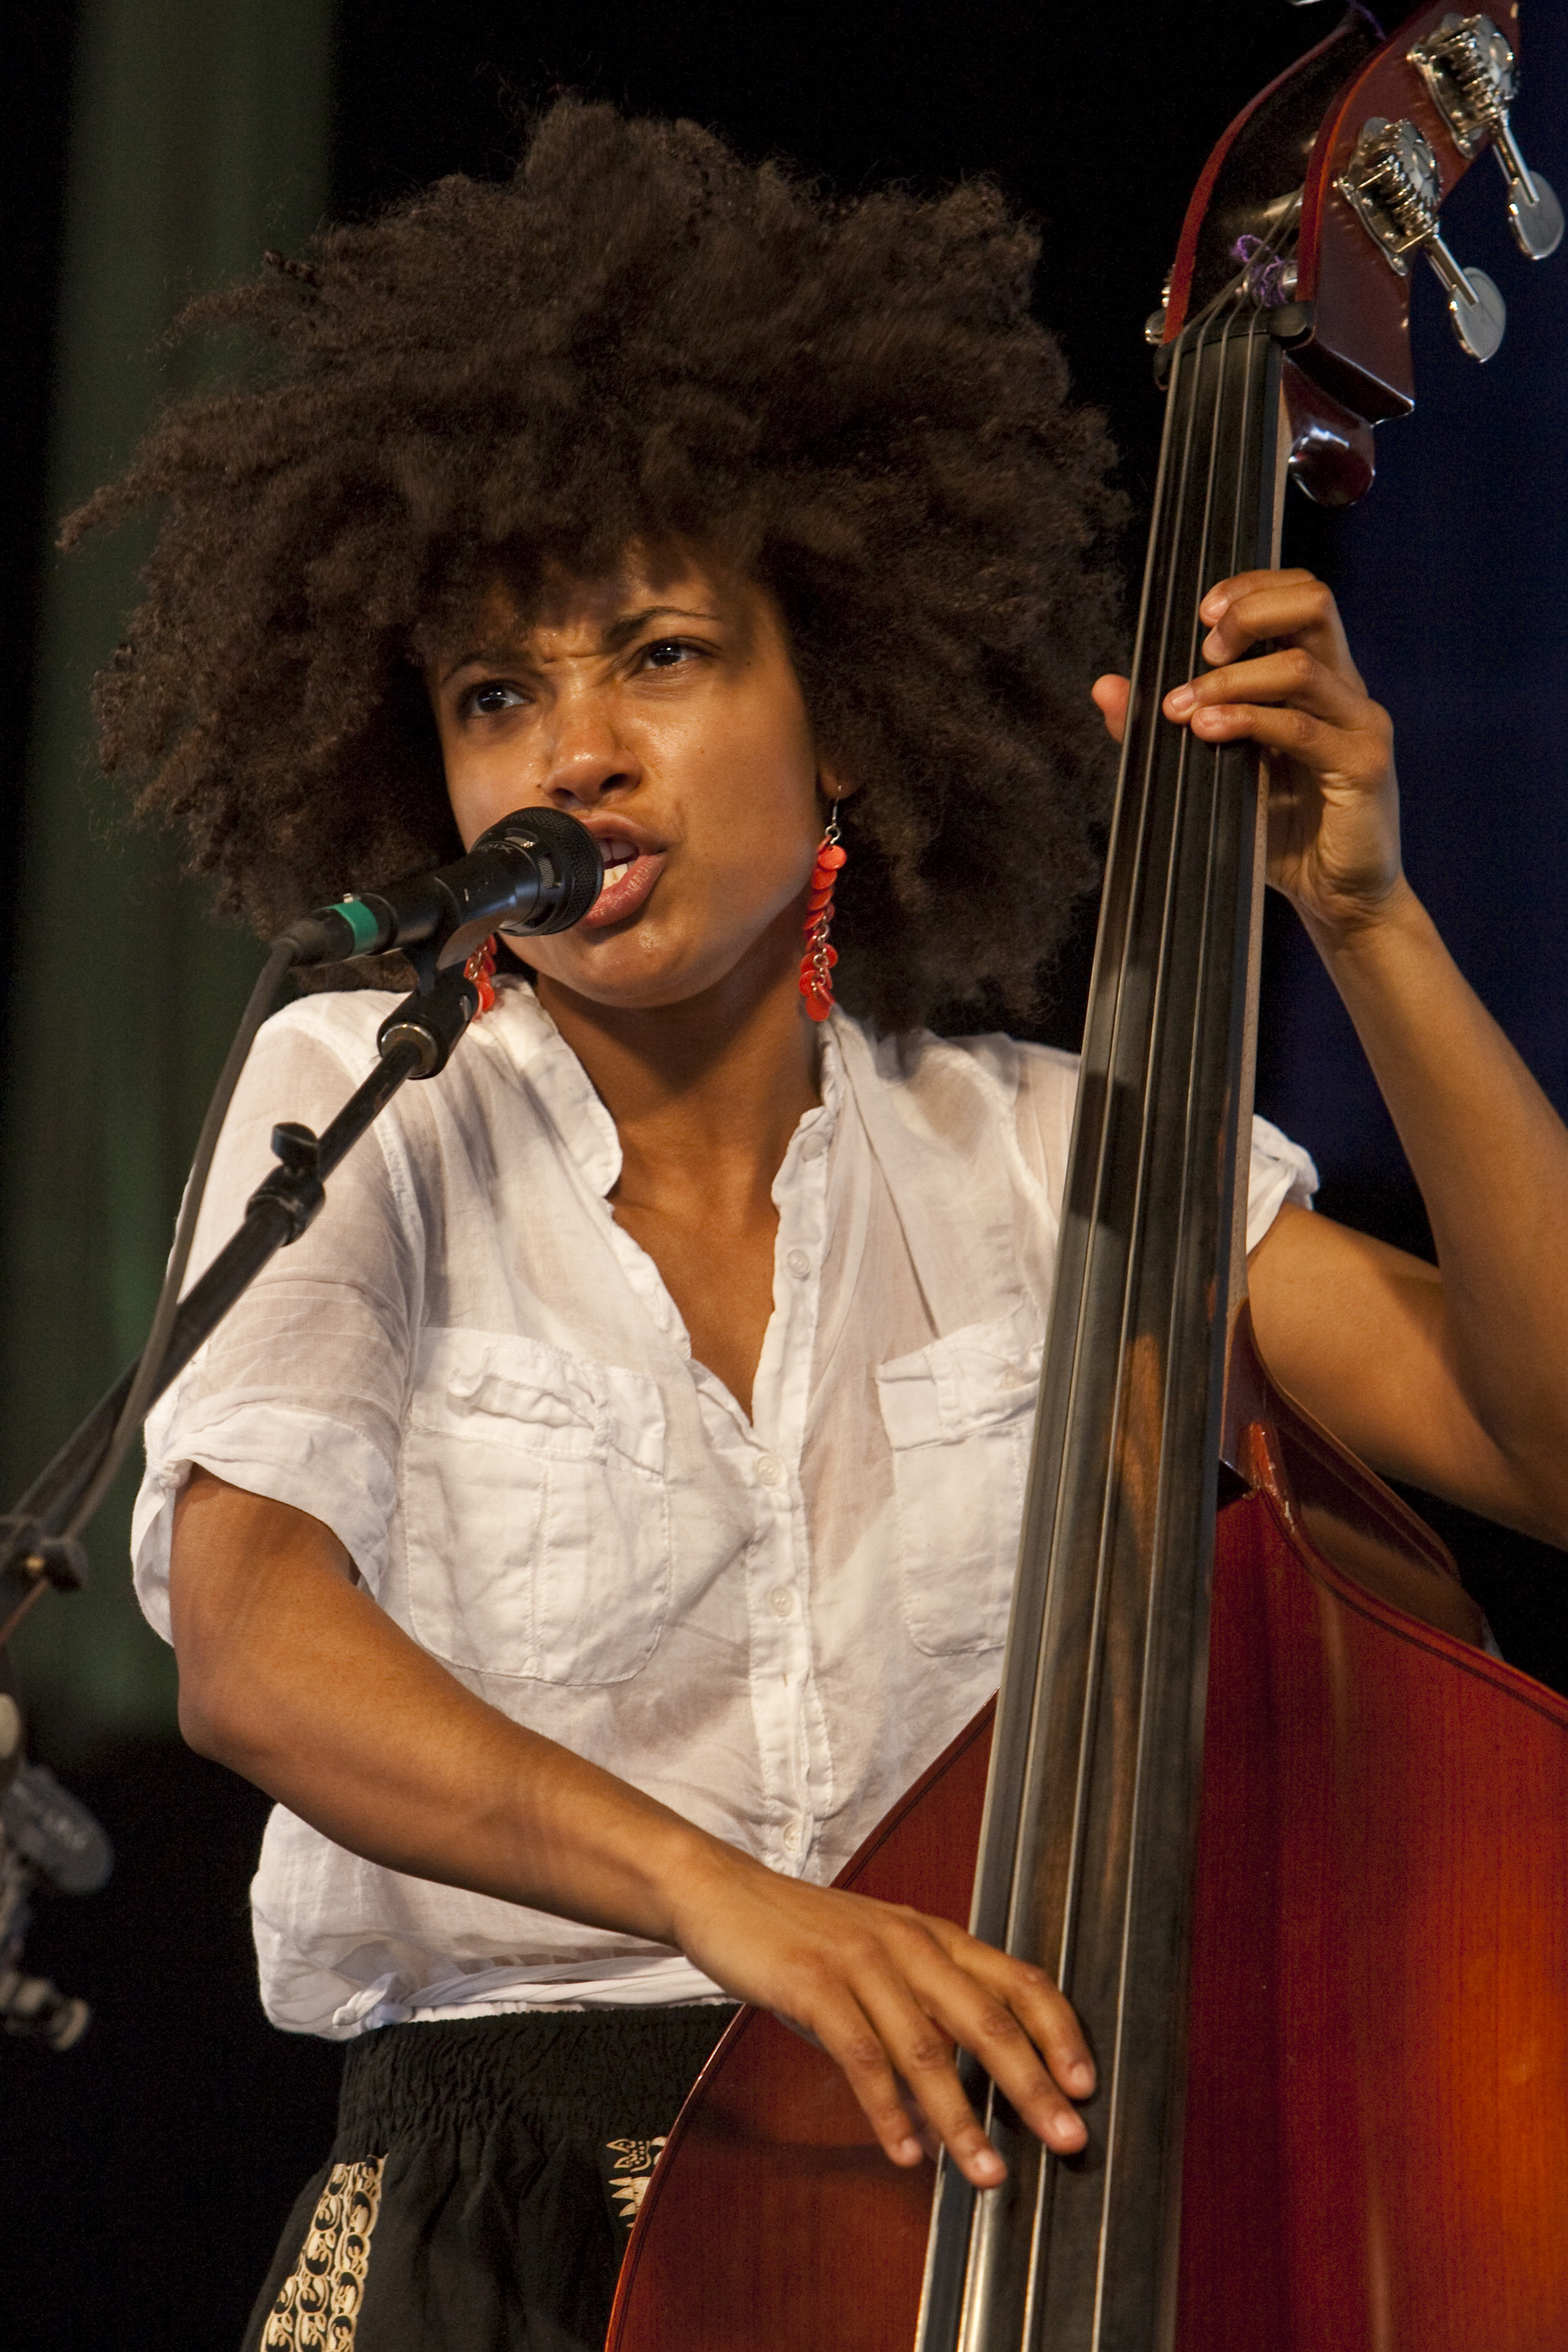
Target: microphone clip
{"x": 434, "y": 1016}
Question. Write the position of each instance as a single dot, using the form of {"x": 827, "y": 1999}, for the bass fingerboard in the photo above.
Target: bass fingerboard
{"x": 1088, "y": 1847}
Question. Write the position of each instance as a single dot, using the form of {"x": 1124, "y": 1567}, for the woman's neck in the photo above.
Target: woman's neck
{"x": 705, "y": 1096}
{"x": 705, "y": 1093}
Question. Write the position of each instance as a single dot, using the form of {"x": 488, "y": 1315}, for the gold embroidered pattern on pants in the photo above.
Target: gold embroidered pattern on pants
{"x": 318, "y": 2310}
{"x": 630, "y": 2174}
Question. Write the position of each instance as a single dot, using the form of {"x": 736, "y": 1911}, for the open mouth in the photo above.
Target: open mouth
{"x": 631, "y": 869}
{"x": 619, "y": 857}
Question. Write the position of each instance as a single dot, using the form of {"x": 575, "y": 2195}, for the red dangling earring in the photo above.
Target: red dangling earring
{"x": 816, "y": 964}
{"x": 480, "y": 968}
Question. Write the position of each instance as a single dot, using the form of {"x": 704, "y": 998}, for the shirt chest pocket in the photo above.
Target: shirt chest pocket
{"x": 535, "y": 1517}
{"x": 958, "y": 1416}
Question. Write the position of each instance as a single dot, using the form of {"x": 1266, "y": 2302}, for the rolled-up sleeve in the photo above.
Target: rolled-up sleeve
{"x": 299, "y": 1395}
{"x": 1280, "y": 1171}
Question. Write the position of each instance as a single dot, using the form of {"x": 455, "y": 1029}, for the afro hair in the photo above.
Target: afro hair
{"x": 641, "y": 340}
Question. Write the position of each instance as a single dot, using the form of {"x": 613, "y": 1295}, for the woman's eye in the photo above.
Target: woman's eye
{"x": 493, "y": 696}
{"x": 667, "y": 653}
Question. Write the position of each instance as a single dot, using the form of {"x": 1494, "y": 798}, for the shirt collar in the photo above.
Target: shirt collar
{"x": 521, "y": 1027}
{"x": 519, "y": 1024}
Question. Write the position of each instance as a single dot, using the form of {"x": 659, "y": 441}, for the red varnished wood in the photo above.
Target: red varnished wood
{"x": 1332, "y": 451}
{"x": 774, "y": 2222}
{"x": 1377, "y": 2119}
{"x": 1377, "y": 2125}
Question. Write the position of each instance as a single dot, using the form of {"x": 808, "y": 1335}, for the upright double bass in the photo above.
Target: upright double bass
{"x": 1292, "y": 1841}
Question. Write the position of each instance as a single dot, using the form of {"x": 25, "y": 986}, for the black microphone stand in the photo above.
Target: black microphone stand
{"x": 539, "y": 868}
{"x": 38, "y": 1549}
{"x": 45, "y": 1832}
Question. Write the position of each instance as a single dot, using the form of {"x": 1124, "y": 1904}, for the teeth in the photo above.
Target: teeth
{"x": 614, "y": 873}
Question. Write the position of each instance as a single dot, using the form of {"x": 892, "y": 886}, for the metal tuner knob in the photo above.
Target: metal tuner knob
{"x": 1473, "y": 77}
{"x": 1393, "y": 186}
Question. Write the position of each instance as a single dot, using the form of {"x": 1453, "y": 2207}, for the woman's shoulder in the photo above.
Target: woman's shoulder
{"x": 339, "y": 1022}
{"x": 1005, "y": 1071}
{"x": 969, "y": 1092}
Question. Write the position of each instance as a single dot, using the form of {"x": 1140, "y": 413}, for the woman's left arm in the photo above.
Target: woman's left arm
{"x": 1454, "y": 1377}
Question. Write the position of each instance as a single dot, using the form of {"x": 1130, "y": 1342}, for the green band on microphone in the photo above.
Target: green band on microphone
{"x": 361, "y": 922}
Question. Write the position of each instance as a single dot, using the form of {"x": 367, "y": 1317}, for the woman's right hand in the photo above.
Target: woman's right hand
{"x": 887, "y": 1993}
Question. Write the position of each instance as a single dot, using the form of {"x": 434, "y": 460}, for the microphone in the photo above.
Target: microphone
{"x": 536, "y": 871}
{"x": 54, "y": 1831}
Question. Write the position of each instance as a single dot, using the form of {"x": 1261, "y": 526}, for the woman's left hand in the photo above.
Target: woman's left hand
{"x": 1333, "y": 809}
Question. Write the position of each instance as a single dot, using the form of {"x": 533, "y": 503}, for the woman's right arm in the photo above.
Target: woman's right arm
{"x": 292, "y": 1674}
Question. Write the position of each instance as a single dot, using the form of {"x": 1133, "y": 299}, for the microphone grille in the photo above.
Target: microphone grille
{"x": 572, "y": 851}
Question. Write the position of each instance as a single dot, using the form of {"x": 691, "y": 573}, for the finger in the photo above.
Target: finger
{"x": 1250, "y": 583}
{"x": 910, "y": 2005}
{"x": 1257, "y": 605}
{"x": 845, "y": 2030}
{"x": 1291, "y": 675}
{"x": 921, "y": 2048}
{"x": 1031, "y": 2062}
{"x": 1029, "y": 1996}
{"x": 1108, "y": 695}
{"x": 1329, "y": 750}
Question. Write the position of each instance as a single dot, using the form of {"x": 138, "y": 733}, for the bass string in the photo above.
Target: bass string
{"x": 1171, "y": 524}
{"x": 1172, "y": 498}
{"x": 1170, "y": 502}
{"x": 1209, "y": 812}
{"x": 1219, "y": 489}
{"x": 1175, "y": 504}
{"x": 1170, "y": 513}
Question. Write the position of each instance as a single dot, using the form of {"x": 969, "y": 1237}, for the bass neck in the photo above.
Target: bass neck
{"x": 1087, "y": 1850}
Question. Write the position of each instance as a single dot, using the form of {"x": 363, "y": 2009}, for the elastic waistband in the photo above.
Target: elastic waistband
{"x": 560, "y": 2074}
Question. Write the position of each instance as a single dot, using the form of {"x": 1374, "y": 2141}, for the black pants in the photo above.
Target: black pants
{"x": 482, "y": 2184}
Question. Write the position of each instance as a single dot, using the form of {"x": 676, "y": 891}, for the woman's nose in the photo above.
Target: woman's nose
{"x": 587, "y": 758}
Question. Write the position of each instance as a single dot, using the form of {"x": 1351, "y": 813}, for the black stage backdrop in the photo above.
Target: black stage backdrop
{"x": 148, "y": 2171}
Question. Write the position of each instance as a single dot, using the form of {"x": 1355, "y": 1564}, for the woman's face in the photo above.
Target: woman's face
{"x": 660, "y": 706}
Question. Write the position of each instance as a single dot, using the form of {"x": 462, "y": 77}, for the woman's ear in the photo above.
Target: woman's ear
{"x": 834, "y": 786}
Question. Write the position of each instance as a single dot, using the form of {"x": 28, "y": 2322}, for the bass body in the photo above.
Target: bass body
{"x": 1377, "y": 2096}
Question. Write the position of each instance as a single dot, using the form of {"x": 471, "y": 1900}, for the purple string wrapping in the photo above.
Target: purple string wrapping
{"x": 1264, "y": 271}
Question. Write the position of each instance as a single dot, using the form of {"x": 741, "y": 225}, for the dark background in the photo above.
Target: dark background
{"x": 149, "y": 2171}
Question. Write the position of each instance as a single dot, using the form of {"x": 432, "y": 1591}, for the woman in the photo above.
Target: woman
{"x": 593, "y": 1522}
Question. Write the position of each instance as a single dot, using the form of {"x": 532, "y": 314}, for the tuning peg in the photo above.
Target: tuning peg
{"x": 1476, "y": 308}
{"x": 1393, "y": 186}
{"x": 1473, "y": 77}
{"x": 1534, "y": 214}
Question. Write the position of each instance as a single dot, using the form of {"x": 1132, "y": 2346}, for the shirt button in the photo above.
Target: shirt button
{"x": 781, "y": 1601}
{"x": 792, "y": 1836}
{"x": 813, "y": 1147}
{"x": 798, "y": 1263}
{"x": 770, "y": 1470}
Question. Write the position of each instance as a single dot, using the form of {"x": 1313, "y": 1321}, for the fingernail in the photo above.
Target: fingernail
{"x": 1081, "y": 2075}
{"x": 1180, "y": 698}
{"x": 909, "y": 2151}
{"x": 1213, "y": 606}
{"x": 987, "y": 2165}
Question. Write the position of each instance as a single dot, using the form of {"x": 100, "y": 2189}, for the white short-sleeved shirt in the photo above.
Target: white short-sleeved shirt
{"x": 480, "y": 1382}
